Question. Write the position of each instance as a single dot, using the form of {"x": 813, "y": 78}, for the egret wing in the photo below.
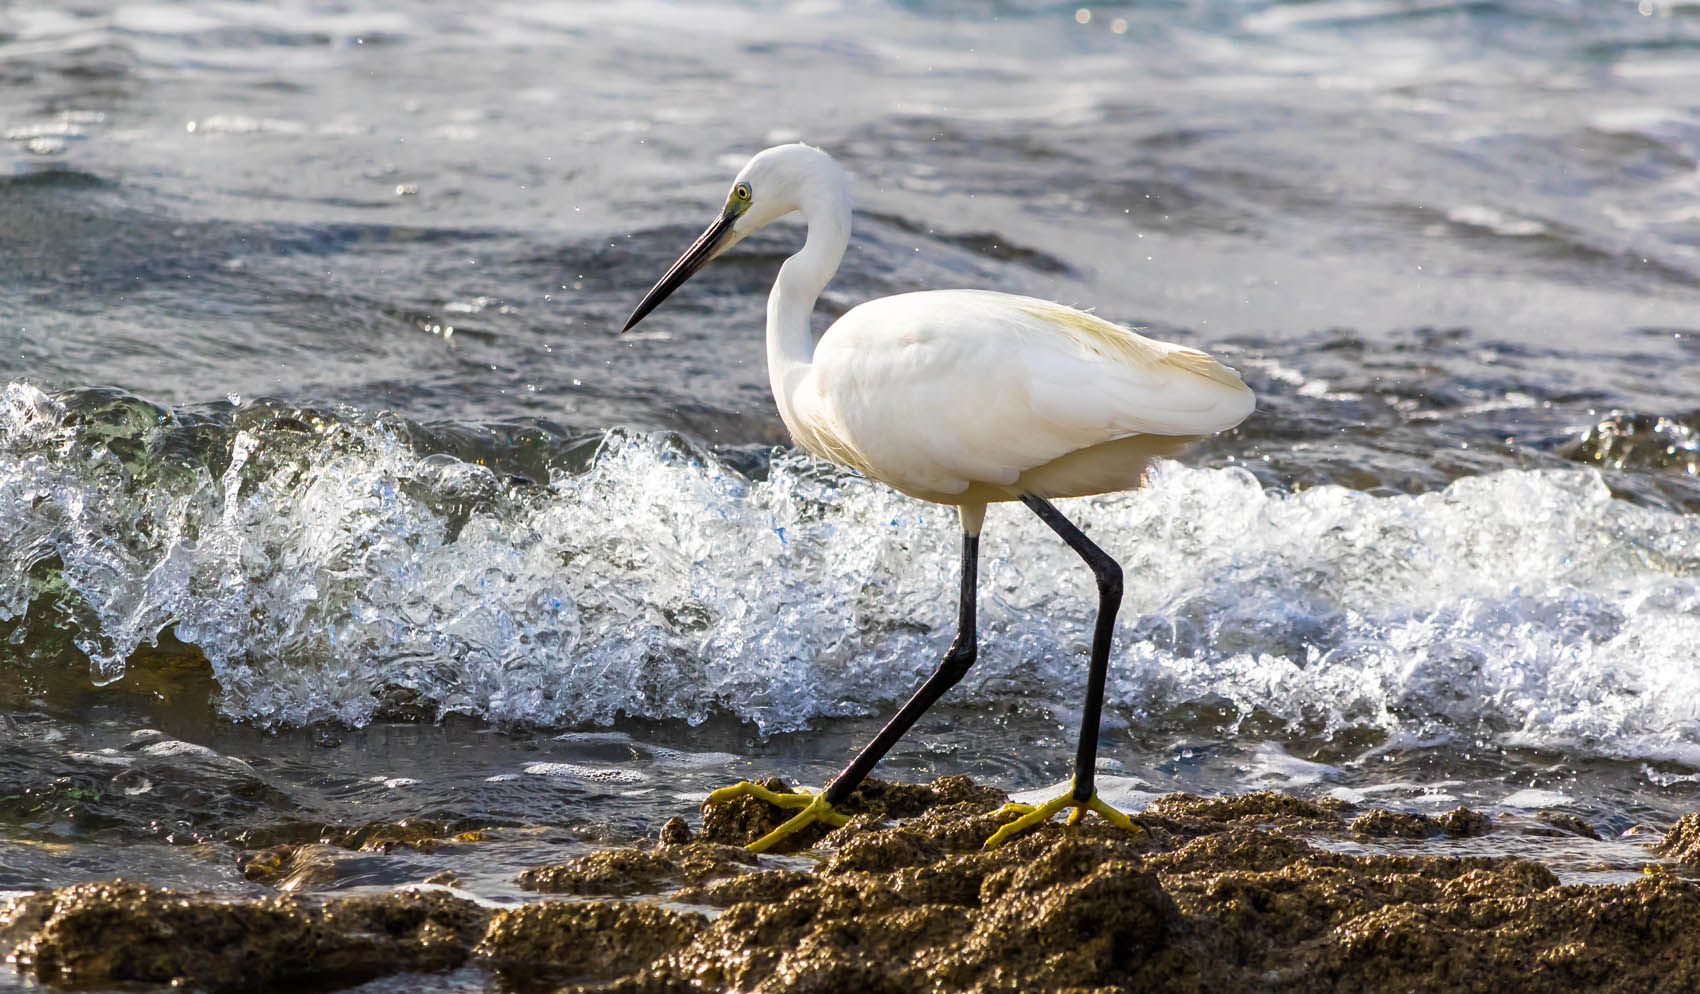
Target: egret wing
{"x": 933, "y": 392}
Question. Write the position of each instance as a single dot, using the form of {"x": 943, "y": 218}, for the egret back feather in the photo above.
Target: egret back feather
{"x": 1124, "y": 345}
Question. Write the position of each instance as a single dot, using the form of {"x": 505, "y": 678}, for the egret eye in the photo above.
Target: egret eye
{"x": 742, "y": 192}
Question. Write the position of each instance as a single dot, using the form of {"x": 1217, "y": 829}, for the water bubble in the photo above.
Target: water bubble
{"x": 323, "y": 572}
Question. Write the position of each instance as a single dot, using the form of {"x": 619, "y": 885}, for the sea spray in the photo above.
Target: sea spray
{"x": 325, "y": 561}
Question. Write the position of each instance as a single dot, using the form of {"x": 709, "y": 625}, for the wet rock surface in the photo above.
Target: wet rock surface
{"x": 116, "y": 932}
{"x": 1641, "y": 441}
{"x": 1463, "y": 823}
{"x": 335, "y": 854}
{"x": 737, "y": 821}
{"x": 578, "y": 939}
{"x": 1403, "y": 824}
{"x": 1262, "y": 892}
{"x": 422, "y": 834}
{"x": 1567, "y": 823}
{"x": 614, "y": 872}
{"x": 1682, "y": 842}
{"x": 1459, "y": 823}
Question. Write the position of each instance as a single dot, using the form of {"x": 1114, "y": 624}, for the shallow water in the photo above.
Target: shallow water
{"x": 328, "y": 494}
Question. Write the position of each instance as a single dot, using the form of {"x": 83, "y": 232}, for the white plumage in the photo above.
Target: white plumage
{"x": 962, "y": 397}
{"x": 969, "y": 396}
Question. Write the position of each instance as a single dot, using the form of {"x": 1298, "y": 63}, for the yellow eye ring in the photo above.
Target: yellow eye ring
{"x": 742, "y": 192}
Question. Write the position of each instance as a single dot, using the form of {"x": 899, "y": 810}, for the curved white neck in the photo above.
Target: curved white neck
{"x": 826, "y": 207}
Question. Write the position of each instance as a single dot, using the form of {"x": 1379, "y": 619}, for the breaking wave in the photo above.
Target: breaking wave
{"x": 324, "y": 563}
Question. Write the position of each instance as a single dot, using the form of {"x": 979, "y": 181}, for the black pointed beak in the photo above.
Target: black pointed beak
{"x": 706, "y": 247}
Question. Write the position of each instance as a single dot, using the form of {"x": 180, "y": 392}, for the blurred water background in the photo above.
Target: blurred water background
{"x": 329, "y": 495}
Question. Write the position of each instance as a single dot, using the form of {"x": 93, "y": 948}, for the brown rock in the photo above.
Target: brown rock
{"x": 297, "y": 868}
{"x": 601, "y": 939}
{"x": 1682, "y": 842}
{"x": 1400, "y": 824}
{"x": 1052, "y": 910}
{"x": 413, "y": 833}
{"x": 883, "y": 852}
{"x": 766, "y": 886}
{"x": 1263, "y": 806}
{"x": 1568, "y": 823}
{"x": 116, "y": 932}
{"x": 744, "y": 819}
{"x": 1463, "y": 823}
{"x": 616, "y": 872}
{"x": 1224, "y": 895}
{"x": 1234, "y": 849}
{"x": 422, "y": 834}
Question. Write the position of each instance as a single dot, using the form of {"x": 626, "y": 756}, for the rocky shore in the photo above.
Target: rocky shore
{"x": 1261, "y": 892}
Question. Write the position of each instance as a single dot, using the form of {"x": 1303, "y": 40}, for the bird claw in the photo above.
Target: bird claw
{"x": 1030, "y": 815}
{"x": 814, "y": 808}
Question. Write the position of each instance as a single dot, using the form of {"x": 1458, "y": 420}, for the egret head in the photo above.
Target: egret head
{"x": 770, "y": 186}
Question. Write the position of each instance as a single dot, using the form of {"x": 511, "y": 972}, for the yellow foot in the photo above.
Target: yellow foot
{"x": 814, "y": 808}
{"x": 1031, "y": 815}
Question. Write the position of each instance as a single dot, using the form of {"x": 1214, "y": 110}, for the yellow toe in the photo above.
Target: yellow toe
{"x": 814, "y": 808}
{"x": 1030, "y": 815}
{"x": 1110, "y": 815}
{"x": 794, "y": 799}
{"x": 817, "y": 810}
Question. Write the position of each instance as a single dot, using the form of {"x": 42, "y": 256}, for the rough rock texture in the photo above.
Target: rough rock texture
{"x": 422, "y": 834}
{"x": 1217, "y": 894}
{"x": 585, "y": 938}
{"x": 766, "y": 887}
{"x": 614, "y": 872}
{"x": 1458, "y": 823}
{"x": 1241, "y": 894}
{"x": 920, "y": 907}
{"x": 293, "y": 868}
{"x": 304, "y": 857}
{"x": 1262, "y": 807}
{"x": 675, "y": 831}
{"x": 1682, "y": 842}
{"x": 1401, "y": 824}
{"x": 1462, "y": 823}
{"x": 1199, "y": 899}
{"x": 117, "y": 931}
{"x": 741, "y": 819}
{"x": 1568, "y": 823}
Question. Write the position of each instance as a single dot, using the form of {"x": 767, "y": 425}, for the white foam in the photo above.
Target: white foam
{"x": 103, "y": 758}
{"x": 1272, "y": 766}
{"x": 595, "y": 774}
{"x": 393, "y": 783}
{"x": 1535, "y": 798}
{"x": 1524, "y": 607}
{"x": 177, "y": 747}
{"x": 1494, "y": 220}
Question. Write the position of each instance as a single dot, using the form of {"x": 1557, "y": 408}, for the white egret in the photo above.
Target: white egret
{"x": 961, "y": 397}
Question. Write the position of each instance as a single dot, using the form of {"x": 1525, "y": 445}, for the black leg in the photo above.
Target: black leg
{"x": 1109, "y": 601}
{"x": 955, "y": 663}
